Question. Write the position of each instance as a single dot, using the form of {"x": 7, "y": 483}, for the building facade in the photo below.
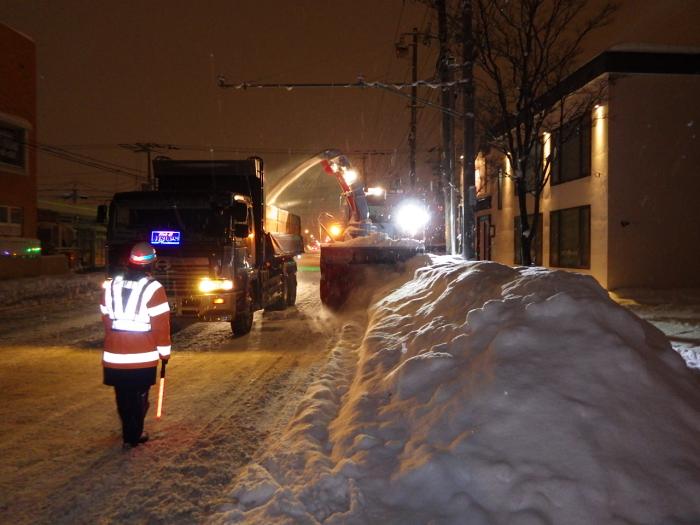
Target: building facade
{"x": 623, "y": 199}
{"x": 18, "y": 168}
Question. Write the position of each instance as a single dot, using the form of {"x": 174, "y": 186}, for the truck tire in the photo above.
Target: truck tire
{"x": 281, "y": 302}
{"x": 243, "y": 321}
{"x": 291, "y": 289}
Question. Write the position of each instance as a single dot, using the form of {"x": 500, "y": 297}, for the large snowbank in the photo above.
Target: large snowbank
{"x": 36, "y": 290}
{"x": 484, "y": 394}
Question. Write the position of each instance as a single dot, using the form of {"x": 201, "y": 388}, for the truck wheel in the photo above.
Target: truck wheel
{"x": 292, "y": 289}
{"x": 243, "y": 321}
{"x": 281, "y": 301}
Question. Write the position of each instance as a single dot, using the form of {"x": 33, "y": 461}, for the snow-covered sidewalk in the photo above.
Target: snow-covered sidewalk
{"x": 486, "y": 394}
{"x": 675, "y": 312}
{"x": 50, "y": 288}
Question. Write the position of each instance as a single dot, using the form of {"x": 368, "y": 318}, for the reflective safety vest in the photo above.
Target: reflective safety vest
{"x": 136, "y": 317}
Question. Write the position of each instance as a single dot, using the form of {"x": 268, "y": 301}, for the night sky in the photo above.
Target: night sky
{"x": 125, "y": 72}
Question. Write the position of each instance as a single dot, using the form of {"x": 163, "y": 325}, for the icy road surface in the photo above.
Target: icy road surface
{"x": 60, "y": 444}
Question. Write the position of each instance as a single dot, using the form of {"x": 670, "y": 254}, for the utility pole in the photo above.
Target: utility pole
{"x": 401, "y": 51}
{"x": 414, "y": 111}
{"x": 148, "y": 148}
{"x": 468, "y": 183}
{"x": 448, "y": 148}
{"x": 73, "y": 195}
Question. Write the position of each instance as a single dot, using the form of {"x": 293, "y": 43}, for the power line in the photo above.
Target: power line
{"x": 246, "y": 149}
{"x": 83, "y": 160}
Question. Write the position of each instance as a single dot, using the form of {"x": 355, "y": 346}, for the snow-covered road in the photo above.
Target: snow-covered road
{"x": 444, "y": 396}
{"x": 60, "y": 446}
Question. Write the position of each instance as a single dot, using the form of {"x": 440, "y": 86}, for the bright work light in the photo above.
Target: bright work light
{"x": 335, "y": 230}
{"x": 350, "y": 176}
{"x": 411, "y": 217}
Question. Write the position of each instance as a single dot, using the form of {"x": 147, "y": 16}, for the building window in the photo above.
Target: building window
{"x": 11, "y": 219}
{"x": 572, "y": 159}
{"x": 535, "y": 247}
{"x": 12, "y": 147}
{"x": 570, "y": 238}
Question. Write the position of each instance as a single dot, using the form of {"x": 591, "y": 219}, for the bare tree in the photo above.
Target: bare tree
{"x": 525, "y": 49}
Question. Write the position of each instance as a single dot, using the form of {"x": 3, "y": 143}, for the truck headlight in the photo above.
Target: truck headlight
{"x": 207, "y": 285}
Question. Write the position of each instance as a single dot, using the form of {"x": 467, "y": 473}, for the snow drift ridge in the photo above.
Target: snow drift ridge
{"x": 490, "y": 395}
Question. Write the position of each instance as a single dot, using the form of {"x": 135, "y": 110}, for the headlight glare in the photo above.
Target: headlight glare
{"x": 207, "y": 285}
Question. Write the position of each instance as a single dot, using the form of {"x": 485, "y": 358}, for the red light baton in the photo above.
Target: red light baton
{"x": 161, "y": 390}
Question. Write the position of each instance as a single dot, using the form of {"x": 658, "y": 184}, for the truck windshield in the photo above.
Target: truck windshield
{"x": 206, "y": 221}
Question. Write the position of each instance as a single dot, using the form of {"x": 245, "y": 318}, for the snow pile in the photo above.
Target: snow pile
{"x": 37, "y": 290}
{"x": 485, "y": 394}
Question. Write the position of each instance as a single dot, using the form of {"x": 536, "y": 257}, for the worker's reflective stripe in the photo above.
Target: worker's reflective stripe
{"x": 130, "y": 310}
{"x": 130, "y": 359}
{"x": 164, "y": 350}
{"x": 159, "y": 309}
{"x": 150, "y": 290}
{"x": 135, "y": 316}
{"x": 128, "y": 325}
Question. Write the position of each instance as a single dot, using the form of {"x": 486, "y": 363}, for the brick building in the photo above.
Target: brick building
{"x": 18, "y": 172}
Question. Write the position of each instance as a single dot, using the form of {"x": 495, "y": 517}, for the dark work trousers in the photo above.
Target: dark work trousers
{"x": 132, "y": 405}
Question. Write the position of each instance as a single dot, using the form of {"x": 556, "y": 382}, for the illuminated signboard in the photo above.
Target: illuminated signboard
{"x": 165, "y": 237}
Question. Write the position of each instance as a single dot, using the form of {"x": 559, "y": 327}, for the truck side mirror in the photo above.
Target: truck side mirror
{"x": 102, "y": 214}
{"x": 241, "y": 230}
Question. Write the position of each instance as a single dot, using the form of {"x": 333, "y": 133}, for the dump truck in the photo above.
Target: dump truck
{"x": 222, "y": 253}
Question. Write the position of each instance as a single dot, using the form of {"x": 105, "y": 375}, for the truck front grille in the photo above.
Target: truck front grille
{"x": 180, "y": 275}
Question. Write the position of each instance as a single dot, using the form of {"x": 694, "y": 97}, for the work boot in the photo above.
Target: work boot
{"x": 144, "y": 437}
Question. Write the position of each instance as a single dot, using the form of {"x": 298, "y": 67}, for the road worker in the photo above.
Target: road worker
{"x": 136, "y": 319}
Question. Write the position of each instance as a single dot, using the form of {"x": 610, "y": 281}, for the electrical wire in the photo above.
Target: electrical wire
{"x": 83, "y": 160}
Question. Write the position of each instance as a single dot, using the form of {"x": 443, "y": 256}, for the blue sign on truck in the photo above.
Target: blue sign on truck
{"x": 165, "y": 237}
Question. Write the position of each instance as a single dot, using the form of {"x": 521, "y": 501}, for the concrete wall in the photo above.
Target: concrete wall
{"x": 591, "y": 190}
{"x": 654, "y": 214}
{"x": 503, "y": 241}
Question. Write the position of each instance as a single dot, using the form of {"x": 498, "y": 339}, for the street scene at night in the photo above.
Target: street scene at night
{"x": 350, "y": 262}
